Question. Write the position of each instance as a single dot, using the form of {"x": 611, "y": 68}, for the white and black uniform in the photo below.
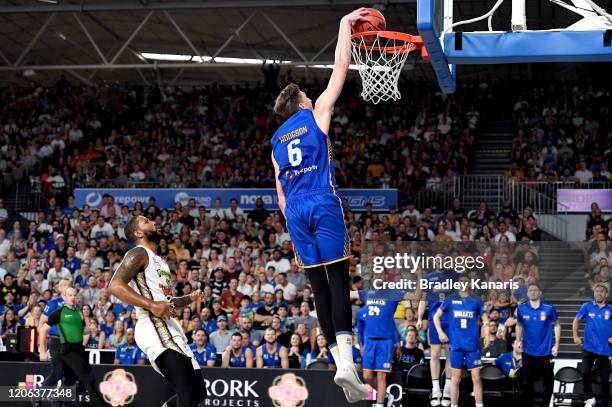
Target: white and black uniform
{"x": 154, "y": 335}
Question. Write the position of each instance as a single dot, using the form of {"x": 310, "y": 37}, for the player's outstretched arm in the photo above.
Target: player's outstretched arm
{"x": 134, "y": 261}
{"x": 325, "y": 103}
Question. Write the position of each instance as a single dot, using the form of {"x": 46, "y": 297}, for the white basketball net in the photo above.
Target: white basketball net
{"x": 380, "y": 69}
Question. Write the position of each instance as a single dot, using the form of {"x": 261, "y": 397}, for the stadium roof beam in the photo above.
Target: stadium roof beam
{"x": 5, "y": 59}
{"x": 90, "y": 38}
{"x": 130, "y": 5}
{"x": 34, "y": 40}
{"x": 282, "y": 33}
{"x": 322, "y": 50}
{"x": 134, "y": 34}
{"x": 234, "y": 35}
{"x": 182, "y": 34}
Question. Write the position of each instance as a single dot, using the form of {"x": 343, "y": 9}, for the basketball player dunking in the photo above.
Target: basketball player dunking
{"x": 143, "y": 280}
{"x": 305, "y": 183}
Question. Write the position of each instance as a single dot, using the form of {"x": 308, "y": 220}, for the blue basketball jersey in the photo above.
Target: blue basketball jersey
{"x": 463, "y": 315}
{"x": 303, "y": 154}
{"x": 380, "y": 307}
{"x": 271, "y": 359}
{"x": 240, "y": 360}
{"x": 435, "y": 297}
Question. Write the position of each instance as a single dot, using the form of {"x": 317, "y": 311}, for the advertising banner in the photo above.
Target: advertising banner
{"x": 141, "y": 386}
{"x": 357, "y": 199}
{"x": 580, "y": 200}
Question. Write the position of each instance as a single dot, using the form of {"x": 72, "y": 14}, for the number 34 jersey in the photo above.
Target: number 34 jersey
{"x": 303, "y": 154}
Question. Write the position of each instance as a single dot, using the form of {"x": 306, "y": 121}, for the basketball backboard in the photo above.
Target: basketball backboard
{"x": 448, "y": 44}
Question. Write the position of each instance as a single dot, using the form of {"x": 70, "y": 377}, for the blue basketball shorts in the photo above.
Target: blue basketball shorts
{"x": 434, "y": 339}
{"x": 460, "y": 359}
{"x": 315, "y": 222}
{"x": 378, "y": 354}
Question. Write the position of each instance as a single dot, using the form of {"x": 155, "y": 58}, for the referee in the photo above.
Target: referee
{"x": 535, "y": 328}
{"x": 597, "y": 344}
{"x": 70, "y": 325}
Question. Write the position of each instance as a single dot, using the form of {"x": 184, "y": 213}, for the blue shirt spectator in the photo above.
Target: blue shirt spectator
{"x": 205, "y": 353}
{"x": 129, "y": 353}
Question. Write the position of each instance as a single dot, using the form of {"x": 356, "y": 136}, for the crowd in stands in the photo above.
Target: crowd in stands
{"x": 597, "y": 249}
{"x": 217, "y": 136}
{"x": 245, "y": 267}
{"x": 562, "y": 133}
{"x": 243, "y": 262}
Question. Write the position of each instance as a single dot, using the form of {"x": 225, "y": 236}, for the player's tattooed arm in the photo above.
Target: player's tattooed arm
{"x": 185, "y": 300}
{"x": 133, "y": 263}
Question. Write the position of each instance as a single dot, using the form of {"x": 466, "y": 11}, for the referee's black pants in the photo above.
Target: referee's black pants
{"x": 57, "y": 371}
{"x": 533, "y": 368}
{"x": 603, "y": 367}
{"x": 77, "y": 367}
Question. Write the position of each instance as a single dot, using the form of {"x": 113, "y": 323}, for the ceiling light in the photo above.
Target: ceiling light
{"x": 207, "y": 58}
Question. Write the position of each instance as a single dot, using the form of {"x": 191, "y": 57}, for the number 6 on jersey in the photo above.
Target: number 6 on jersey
{"x": 295, "y": 154}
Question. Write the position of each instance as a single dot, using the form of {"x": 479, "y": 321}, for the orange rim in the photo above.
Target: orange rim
{"x": 411, "y": 42}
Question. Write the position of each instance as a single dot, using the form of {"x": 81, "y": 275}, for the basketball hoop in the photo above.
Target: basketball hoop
{"x": 380, "y": 57}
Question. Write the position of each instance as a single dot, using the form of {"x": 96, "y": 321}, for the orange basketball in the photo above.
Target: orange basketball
{"x": 374, "y": 21}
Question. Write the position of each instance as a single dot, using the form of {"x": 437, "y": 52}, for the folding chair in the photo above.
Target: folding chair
{"x": 567, "y": 375}
{"x": 417, "y": 384}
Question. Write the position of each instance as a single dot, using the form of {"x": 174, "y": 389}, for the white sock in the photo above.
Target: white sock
{"x": 454, "y": 405}
{"x": 447, "y": 386}
{"x": 479, "y": 405}
{"x": 345, "y": 346}
{"x": 335, "y": 353}
{"x": 378, "y": 405}
{"x": 435, "y": 386}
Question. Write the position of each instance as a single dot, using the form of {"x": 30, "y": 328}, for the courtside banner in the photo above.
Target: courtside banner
{"x": 356, "y": 199}
{"x": 141, "y": 386}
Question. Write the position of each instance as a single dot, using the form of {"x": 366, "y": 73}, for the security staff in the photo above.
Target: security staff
{"x": 128, "y": 353}
{"x": 535, "y": 321}
{"x": 70, "y": 325}
{"x": 597, "y": 344}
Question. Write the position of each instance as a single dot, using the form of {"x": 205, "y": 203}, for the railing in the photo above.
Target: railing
{"x": 438, "y": 197}
{"x": 472, "y": 189}
{"x": 551, "y": 212}
{"x": 494, "y": 189}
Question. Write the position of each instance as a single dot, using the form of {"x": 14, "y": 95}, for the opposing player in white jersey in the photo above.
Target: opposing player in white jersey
{"x": 143, "y": 280}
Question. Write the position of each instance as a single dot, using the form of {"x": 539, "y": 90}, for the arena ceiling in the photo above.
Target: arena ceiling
{"x": 104, "y": 40}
